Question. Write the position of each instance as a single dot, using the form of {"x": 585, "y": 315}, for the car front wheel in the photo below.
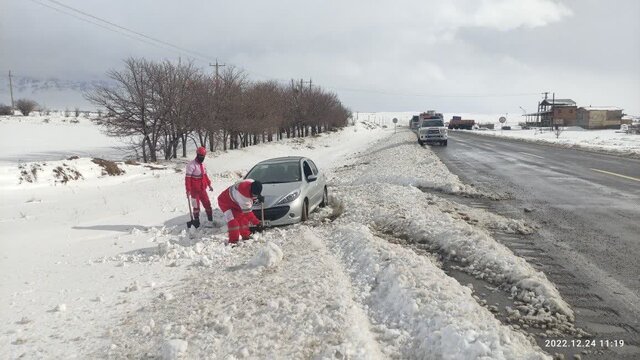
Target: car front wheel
{"x": 325, "y": 198}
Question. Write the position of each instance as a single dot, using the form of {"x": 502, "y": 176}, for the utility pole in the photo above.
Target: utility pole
{"x": 553, "y": 110}
{"x": 217, "y": 66}
{"x": 216, "y": 82}
{"x": 11, "y": 89}
{"x": 540, "y": 117}
{"x": 302, "y": 83}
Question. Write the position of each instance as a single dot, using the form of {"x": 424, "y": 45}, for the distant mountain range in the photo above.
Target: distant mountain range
{"x": 51, "y": 92}
{"x": 34, "y": 85}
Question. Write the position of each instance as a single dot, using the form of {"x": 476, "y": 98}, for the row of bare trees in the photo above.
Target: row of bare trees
{"x": 162, "y": 106}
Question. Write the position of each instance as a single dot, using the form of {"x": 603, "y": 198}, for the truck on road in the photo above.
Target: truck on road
{"x": 414, "y": 123}
{"x": 458, "y": 123}
{"x": 432, "y": 129}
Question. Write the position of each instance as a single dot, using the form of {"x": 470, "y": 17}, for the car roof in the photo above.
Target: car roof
{"x": 282, "y": 159}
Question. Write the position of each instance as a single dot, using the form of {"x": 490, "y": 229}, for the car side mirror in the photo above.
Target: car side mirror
{"x": 312, "y": 178}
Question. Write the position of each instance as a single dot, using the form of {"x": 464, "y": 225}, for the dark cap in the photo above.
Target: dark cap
{"x": 256, "y": 187}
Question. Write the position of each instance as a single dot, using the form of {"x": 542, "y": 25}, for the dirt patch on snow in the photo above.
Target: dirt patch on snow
{"x": 108, "y": 167}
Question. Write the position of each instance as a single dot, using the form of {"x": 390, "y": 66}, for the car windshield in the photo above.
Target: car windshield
{"x": 276, "y": 173}
{"x": 432, "y": 123}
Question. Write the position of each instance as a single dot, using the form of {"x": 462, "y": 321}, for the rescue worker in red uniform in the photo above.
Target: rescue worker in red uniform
{"x": 236, "y": 203}
{"x": 196, "y": 182}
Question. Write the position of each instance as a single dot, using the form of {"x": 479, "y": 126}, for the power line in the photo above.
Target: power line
{"x": 164, "y": 44}
{"x": 203, "y": 56}
{"x": 138, "y": 35}
{"x": 96, "y": 24}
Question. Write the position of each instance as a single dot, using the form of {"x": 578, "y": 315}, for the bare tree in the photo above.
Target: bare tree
{"x": 129, "y": 105}
{"x": 174, "y": 103}
{"x": 557, "y": 130}
{"x": 205, "y": 127}
{"x": 5, "y": 110}
{"x": 229, "y": 102}
{"x": 264, "y": 105}
{"x": 159, "y": 106}
{"x": 26, "y": 106}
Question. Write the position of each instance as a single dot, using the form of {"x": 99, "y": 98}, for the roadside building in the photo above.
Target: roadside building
{"x": 627, "y": 120}
{"x": 599, "y": 117}
{"x": 561, "y": 112}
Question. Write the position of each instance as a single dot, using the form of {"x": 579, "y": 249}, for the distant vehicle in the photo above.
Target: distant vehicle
{"x": 506, "y": 128}
{"x": 486, "y": 126}
{"x": 432, "y": 129}
{"x": 458, "y": 123}
{"x": 414, "y": 123}
{"x": 292, "y": 188}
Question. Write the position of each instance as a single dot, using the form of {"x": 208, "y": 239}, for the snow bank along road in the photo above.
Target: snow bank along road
{"x": 367, "y": 277}
{"x": 610, "y": 141}
{"x": 588, "y": 208}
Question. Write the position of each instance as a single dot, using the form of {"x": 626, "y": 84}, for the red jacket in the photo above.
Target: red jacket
{"x": 238, "y": 198}
{"x": 196, "y": 179}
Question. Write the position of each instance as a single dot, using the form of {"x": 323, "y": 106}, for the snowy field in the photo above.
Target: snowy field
{"x": 54, "y": 137}
{"x": 98, "y": 266}
{"x": 609, "y": 141}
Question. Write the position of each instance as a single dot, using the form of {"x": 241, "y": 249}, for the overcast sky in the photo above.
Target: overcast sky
{"x": 485, "y": 56}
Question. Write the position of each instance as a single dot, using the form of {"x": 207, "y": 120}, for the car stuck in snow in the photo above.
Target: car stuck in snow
{"x": 292, "y": 188}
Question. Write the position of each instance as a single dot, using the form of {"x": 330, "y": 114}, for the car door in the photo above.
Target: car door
{"x": 312, "y": 186}
{"x": 319, "y": 183}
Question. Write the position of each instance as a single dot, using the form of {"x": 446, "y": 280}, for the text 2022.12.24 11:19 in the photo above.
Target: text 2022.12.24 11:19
{"x": 582, "y": 343}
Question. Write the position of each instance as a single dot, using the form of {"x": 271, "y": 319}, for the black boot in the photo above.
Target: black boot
{"x": 196, "y": 223}
{"x": 210, "y": 217}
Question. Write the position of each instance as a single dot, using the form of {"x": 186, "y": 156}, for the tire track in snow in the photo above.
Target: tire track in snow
{"x": 420, "y": 312}
{"x": 299, "y": 305}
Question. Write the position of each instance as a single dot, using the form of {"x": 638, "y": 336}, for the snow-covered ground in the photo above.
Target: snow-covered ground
{"x": 54, "y": 137}
{"x": 610, "y": 141}
{"x": 103, "y": 266}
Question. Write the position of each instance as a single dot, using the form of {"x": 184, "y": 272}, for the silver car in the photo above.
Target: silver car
{"x": 292, "y": 188}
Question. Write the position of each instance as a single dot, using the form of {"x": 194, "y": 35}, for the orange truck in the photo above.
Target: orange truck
{"x": 458, "y": 123}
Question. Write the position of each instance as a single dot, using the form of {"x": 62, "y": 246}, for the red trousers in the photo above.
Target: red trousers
{"x": 238, "y": 223}
{"x": 198, "y": 197}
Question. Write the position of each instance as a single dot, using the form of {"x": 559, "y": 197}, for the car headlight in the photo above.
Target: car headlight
{"x": 289, "y": 198}
{"x": 443, "y": 131}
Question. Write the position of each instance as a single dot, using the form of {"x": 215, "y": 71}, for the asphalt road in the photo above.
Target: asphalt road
{"x": 587, "y": 206}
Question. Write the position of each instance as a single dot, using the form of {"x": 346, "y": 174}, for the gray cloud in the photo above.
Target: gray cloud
{"x": 405, "y": 55}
